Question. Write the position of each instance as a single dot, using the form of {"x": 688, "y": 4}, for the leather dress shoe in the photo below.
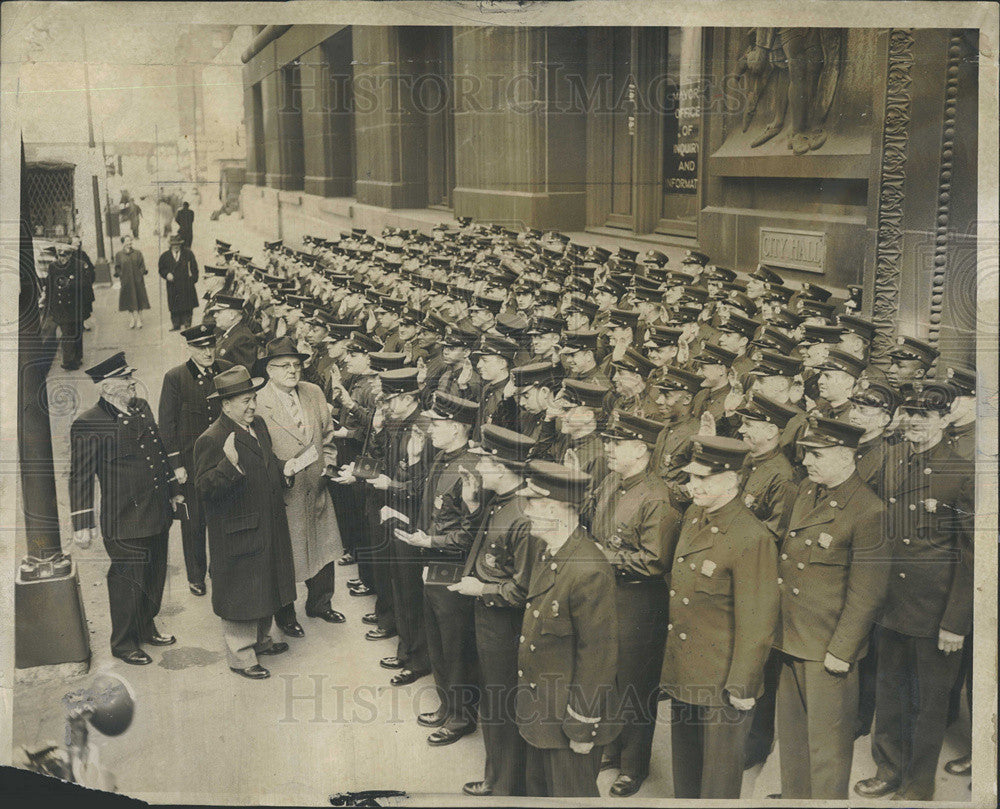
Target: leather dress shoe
{"x": 293, "y": 630}
{"x": 330, "y": 615}
{"x": 443, "y": 736}
{"x": 405, "y": 677}
{"x": 196, "y": 588}
{"x": 255, "y": 672}
{"x": 478, "y": 789}
{"x": 370, "y": 618}
{"x": 137, "y": 657}
{"x": 354, "y": 583}
{"x": 362, "y": 591}
{"x": 432, "y": 719}
{"x": 625, "y": 785}
{"x": 391, "y": 663}
{"x": 160, "y": 640}
{"x": 346, "y": 559}
{"x": 875, "y": 787}
{"x": 274, "y": 649}
{"x": 379, "y": 634}
{"x": 959, "y": 766}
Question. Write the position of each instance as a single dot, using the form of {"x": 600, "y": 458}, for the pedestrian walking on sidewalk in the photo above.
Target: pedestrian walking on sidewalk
{"x": 130, "y": 269}
{"x": 180, "y": 270}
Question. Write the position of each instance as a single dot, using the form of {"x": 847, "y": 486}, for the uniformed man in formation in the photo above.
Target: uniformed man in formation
{"x": 582, "y": 480}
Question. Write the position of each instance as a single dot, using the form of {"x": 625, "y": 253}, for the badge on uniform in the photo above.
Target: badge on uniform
{"x": 490, "y": 559}
{"x": 438, "y": 502}
{"x": 825, "y": 540}
{"x": 555, "y": 609}
{"x": 707, "y": 567}
{"x": 749, "y": 501}
{"x": 930, "y": 504}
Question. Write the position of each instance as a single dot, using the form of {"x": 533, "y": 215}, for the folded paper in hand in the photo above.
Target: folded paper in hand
{"x": 387, "y": 514}
{"x": 300, "y": 462}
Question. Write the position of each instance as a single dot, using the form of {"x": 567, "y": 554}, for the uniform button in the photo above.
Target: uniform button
{"x": 795, "y": 591}
{"x": 554, "y": 566}
{"x": 791, "y": 533}
{"x": 493, "y": 544}
{"x": 669, "y": 627}
{"x": 685, "y": 600}
{"x": 906, "y": 542}
{"x": 715, "y": 529}
{"x": 694, "y": 520}
{"x": 833, "y": 503}
{"x": 531, "y": 646}
{"x": 673, "y": 593}
{"x": 682, "y": 636}
{"x": 809, "y": 542}
{"x": 693, "y": 565}
{"x": 927, "y": 471}
{"x": 902, "y": 575}
{"x": 680, "y": 560}
{"x": 913, "y": 506}
{"x": 522, "y": 638}
{"x": 784, "y": 556}
{"x": 780, "y": 580}
{"x": 593, "y": 733}
{"x": 892, "y": 499}
{"x": 801, "y": 566}
{"x": 535, "y": 613}
{"x": 520, "y": 673}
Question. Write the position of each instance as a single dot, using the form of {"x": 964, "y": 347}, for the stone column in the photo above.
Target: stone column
{"x": 283, "y": 135}
{"x": 520, "y": 143}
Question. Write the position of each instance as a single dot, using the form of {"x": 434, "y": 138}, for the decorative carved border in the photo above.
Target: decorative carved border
{"x": 892, "y": 174}
{"x": 944, "y": 186}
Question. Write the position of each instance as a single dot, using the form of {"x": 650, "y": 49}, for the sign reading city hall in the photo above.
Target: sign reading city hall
{"x": 794, "y": 249}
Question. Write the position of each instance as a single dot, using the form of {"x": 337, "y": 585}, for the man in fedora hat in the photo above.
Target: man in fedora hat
{"x": 117, "y": 442}
{"x": 186, "y": 411}
{"x": 298, "y": 420}
{"x": 242, "y": 483}
{"x": 179, "y": 269}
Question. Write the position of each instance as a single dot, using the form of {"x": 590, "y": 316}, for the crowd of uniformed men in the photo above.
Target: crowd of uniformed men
{"x": 576, "y": 483}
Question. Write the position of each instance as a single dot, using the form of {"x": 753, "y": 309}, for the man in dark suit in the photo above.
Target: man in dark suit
{"x": 65, "y": 303}
{"x": 241, "y": 484}
{"x": 179, "y": 269}
{"x": 723, "y": 615}
{"x": 632, "y": 519}
{"x": 185, "y": 224}
{"x": 186, "y": 411}
{"x": 928, "y": 609}
{"x": 496, "y": 575}
{"x": 568, "y": 652}
{"x": 235, "y": 342}
{"x": 117, "y": 442}
{"x": 832, "y": 575}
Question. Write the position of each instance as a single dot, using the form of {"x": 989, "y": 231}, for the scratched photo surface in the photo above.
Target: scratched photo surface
{"x": 427, "y": 403}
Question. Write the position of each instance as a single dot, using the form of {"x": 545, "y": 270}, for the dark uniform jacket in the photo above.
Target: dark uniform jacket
{"x": 182, "y": 295}
{"x": 66, "y": 290}
{"x": 443, "y": 515}
{"x": 568, "y": 650}
{"x": 503, "y": 552}
{"x": 723, "y": 606}
{"x": 448, "y": 383}
{"x": 125, "y": 453}
{"x": 595, "y": 375}
{"x": 962, "y": 439}
{"x": 250, "y": 552}
{"x": 871, "y": 459}
{"x": 766, "y": 488}
{"x": 495, "y": 408}
{"x": 931, "y": 500}
{"x": 389, "y": 447}
{"x": 185, "y": 410}
{"x": 706, "y": 401}
{"x": 832, "y": 571}
{"x": 238, "y": 346}
{"x": 633, "y": 518}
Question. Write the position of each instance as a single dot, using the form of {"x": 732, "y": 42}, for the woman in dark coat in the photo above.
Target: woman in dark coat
{"x": 241, "y": 484}
{"x": 180, "y": 270}
{"x": 130, "y": 269}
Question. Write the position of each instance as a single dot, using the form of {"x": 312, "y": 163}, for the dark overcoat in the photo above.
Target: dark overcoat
{"x": 249, "y": 547}
{"x": 182, "y": 296}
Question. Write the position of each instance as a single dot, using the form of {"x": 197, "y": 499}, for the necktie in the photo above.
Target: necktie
{"x": 296, "y": 410}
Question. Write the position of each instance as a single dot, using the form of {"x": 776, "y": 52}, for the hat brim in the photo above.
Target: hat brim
{"x": 255, "y": 384}
{"x": 702, "y": 470}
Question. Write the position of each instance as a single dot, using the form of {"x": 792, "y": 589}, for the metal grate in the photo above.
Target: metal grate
{"x": 50, "y": 200}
